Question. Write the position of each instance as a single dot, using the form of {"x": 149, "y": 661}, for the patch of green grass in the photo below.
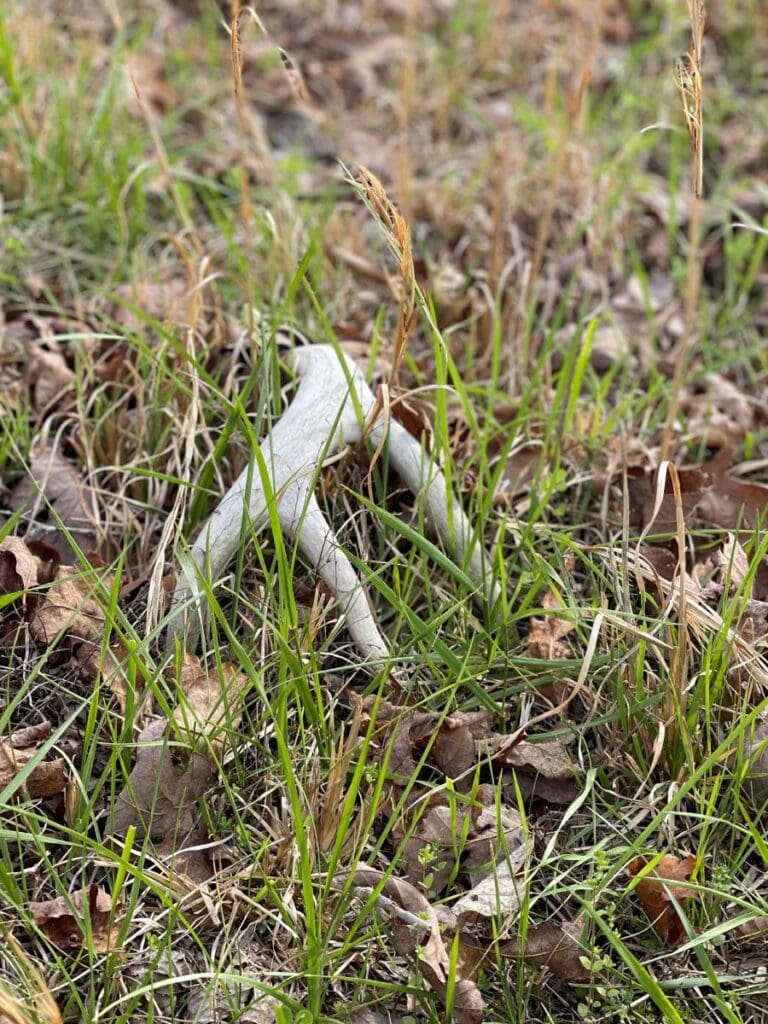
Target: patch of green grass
{"x": 97, "y": 194}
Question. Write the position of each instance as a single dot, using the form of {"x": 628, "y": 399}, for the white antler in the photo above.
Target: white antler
{"x": 323, "y": 417}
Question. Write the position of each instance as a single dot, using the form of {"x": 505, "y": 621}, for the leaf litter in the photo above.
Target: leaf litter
{"x": 455, "y": 783}
{"x": 418, "y": 935}
{"x": 51, "y": 377}
{"x": 556, "y": 947}
{"x": 482, "y": 838}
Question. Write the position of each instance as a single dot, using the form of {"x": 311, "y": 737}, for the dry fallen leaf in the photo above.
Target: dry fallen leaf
{"x": 413, "y": 729}
{"x": 49, "y": 375}
{"x": 437, "y": 834}
{"x": 166, "y": 781}
{"x": 416, "y": 931}
{"x": 189, "y": 857}
{"x": 62, "y": 920}
{"x": 500, "y": 889}
{"x": 730, "y": 502}
{"x": 65, "y": 608}
{"x": 611, "y": 344}
{"x": 18, "y": 566}
{"x": 416, "y": 415}
{"x": 452, "y": 739}
{"x": 70, "y": 610}
{"x": 460, "y": 741}
{"x": 496, "y": 833}
{"x": 206, "y": 1007}
{"x": 709, "y": 494}
{"x": 549, "y": 758}
{"x": 657, "y": 889}
{"x": 719, "y": 414}
{"x": 520, "y": 466}
{"x": 733, "y": 562}
{"x": 209, "y": 703}
{"x": 444, "y": 841}
{"x": 556, "y": 947}
{"x": 23, "y": 568}
{"x": 165, "y": 302}
{"x": 545, "y": 639}
{"x": 622, "y": 330}
{"x": 47, "y": 778}
{"x": 110, "y": 664}
{"x": 455, "y": 748}
{"x": 367, "y": 1015}
{"x": 146, "y": 71}
{"x": 55, "y": 480}
{"x": 543, "y": 771}
{"x": 754, "y": 929}
{"x": 174, "y": 763}
{"x": 497, "y": 895}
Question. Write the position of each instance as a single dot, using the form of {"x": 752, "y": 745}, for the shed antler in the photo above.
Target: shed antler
{"x": 330, "y": 409}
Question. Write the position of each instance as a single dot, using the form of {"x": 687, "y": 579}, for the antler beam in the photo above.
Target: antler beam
{"x": 331, "y": 408}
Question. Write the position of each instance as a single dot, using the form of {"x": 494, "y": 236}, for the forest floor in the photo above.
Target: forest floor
{"x": 549, "y": 806}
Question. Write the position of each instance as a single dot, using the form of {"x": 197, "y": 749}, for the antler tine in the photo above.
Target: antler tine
{"x": 331, "y": 405}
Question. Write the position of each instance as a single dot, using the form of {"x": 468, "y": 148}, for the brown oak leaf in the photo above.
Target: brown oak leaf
{"x": 46, "y": 778}
{"x": 163, "y": 787}
{"x": 556, "y": 947}
{"x": 64, "y": 922}
{"x": 657, "y": 889}
{"x": 209, "y": 703}
{"x": 69, "y": 609}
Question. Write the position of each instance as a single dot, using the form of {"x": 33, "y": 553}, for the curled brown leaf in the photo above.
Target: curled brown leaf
{"x": 658, "y": 891}
{"x": 46, "y": 778}
{"x": 51, "y": 378}
{"x": 556, "y": 947}
{"x": 18, "y": 566}
{"x": 70, "y": 609}
{"x": 63, "y": 920}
